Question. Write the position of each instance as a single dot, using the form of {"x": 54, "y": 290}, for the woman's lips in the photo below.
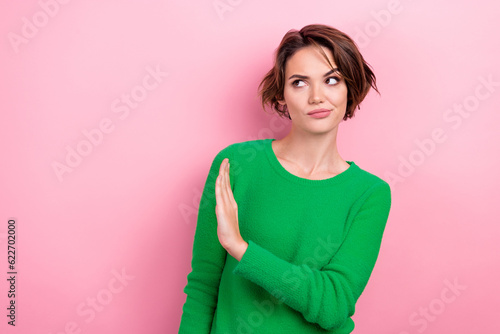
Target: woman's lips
{"x": 319, "y": 113}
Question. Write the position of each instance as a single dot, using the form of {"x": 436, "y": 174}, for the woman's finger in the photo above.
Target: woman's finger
{"x": 220, "y": 180}
{"x": 219, "y": 186}
{"x": 227, "y": 184}
{"x": 224, "y": 187}
{"x": 230, "y": 191}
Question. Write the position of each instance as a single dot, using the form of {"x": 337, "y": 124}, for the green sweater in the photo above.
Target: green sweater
{"x": 312, "y": 246}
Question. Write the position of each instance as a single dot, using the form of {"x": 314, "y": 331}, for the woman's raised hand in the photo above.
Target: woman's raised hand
{"x": 226, "y": 211}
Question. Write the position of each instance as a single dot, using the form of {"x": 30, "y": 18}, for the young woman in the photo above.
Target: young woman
{"x": 288, "y": 232}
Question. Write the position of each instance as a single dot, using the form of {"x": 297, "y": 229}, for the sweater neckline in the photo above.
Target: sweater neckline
{"x": 273, "y": 159}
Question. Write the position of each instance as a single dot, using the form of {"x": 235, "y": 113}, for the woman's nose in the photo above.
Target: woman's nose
{"x": 316, "y": 94}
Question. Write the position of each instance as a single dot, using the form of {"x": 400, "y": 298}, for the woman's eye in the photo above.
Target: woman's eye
{"x": 333, "y": 78}
{"x": 297, "y": 81}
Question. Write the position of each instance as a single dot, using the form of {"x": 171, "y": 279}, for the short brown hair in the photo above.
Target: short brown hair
{"x": 354, "y": 69}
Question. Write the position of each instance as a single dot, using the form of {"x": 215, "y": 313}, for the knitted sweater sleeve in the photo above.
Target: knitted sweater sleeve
{"x": 207, "y": 262}
{"x": 326, "y": 296}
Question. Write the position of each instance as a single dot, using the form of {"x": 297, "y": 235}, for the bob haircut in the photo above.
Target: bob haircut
{"x": 354, "y": 69}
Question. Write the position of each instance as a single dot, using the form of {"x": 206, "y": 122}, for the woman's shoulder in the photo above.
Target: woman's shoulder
{"x": 255, "y": 143}
{"x": 370, "y": 179}
{"x": 245, "y": 148}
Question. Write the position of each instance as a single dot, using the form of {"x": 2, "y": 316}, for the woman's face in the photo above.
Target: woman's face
{"x": 310, "y": 84}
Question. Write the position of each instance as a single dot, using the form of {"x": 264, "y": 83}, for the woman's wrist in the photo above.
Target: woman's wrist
{"x": 238, "y": 250}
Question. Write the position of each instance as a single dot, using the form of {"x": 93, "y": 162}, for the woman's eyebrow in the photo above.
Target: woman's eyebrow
{"x": 306, "y": 77}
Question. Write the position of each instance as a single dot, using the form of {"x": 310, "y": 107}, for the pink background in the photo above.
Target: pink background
{"x": 128, "y": 208}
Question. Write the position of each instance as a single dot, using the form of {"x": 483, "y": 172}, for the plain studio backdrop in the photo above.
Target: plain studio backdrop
{"x": 112, "y": 111}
